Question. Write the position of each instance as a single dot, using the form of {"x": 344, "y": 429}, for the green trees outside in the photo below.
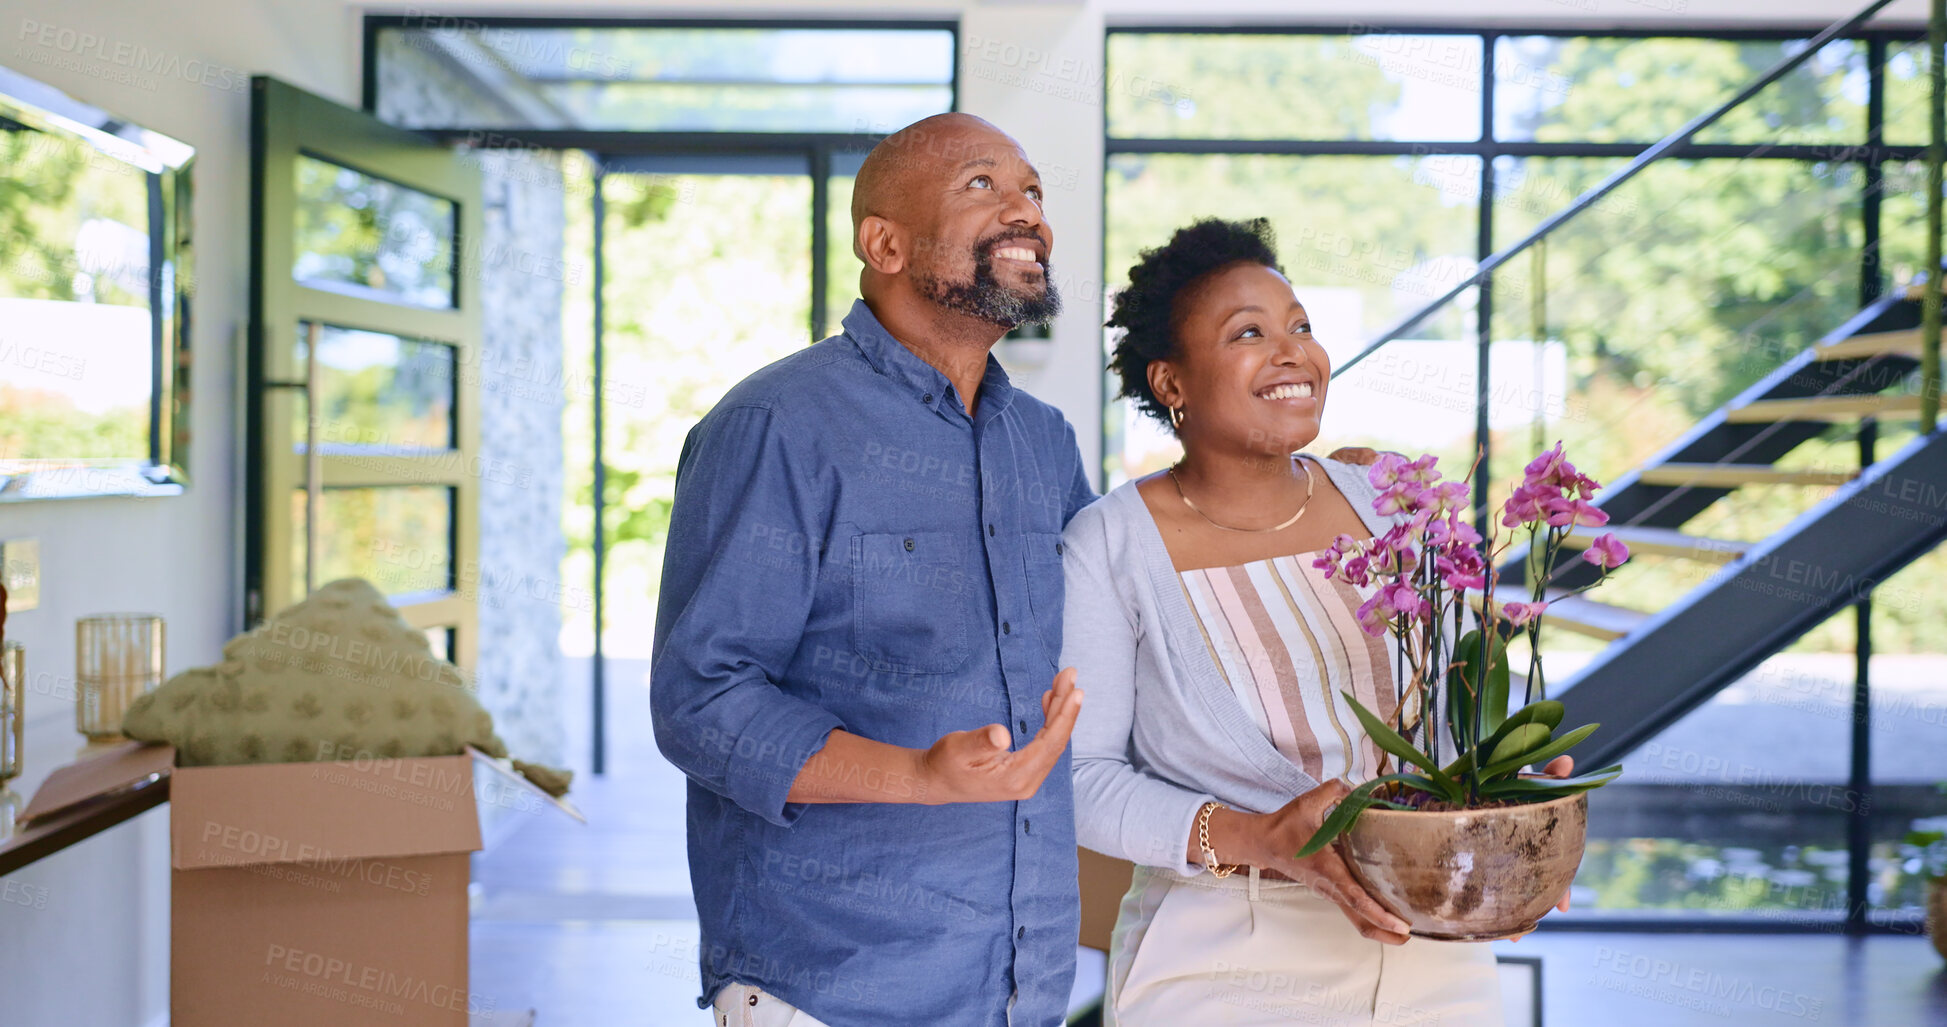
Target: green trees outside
{"x": 707, "y": 280}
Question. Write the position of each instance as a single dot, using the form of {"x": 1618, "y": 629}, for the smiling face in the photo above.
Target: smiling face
{"x": 1247, "y": 371}
{"x": 967, "y": 205}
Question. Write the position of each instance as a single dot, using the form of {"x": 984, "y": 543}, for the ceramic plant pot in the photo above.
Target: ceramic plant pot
{"x": 1937, "y": 915}
{"x": 1469, "y": 875}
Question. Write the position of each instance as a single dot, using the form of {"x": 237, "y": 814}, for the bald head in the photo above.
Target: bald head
{"x": 893, "y": 182}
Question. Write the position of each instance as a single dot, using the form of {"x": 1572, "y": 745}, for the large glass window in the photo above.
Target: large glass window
{"x": 637, "y": 78}
{"x": 1592, "y": 89}
{"x": 1384, "y": 85}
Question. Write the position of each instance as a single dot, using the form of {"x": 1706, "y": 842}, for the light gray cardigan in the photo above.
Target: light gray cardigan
{"x": 1160, "y": 732}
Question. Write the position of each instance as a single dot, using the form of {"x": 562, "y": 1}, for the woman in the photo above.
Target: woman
{"x": 1215, "y": 734}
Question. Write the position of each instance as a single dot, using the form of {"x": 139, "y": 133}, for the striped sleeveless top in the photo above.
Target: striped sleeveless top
{"x": 1288, "y": 643}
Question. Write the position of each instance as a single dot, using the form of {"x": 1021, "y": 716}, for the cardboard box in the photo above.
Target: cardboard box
{"x": 318, "y": 893}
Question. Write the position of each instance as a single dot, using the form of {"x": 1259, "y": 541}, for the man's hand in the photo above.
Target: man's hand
{"x": 1560, "y": 766}
{"x": 1358, "y": 455}
{"x": 977, "y": 766}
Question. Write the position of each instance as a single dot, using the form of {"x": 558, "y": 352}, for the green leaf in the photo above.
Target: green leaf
{"x": 1425, "y": 784}
{"x": 1460, "y": 699}
{"x": 1463, "y": 681}
{"x": 1541, "y": 755}
{"x": 1342, "y": 815}
{"x": 1388, "y": 739}
{"x": 1494, "y": 698}
{"x": 1525, "y": 738}
{"x": 1541, "y": 711}
{"x": 1536, "y": 789}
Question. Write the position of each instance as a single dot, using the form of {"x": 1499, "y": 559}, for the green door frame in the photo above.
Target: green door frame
{"x": 286, "y": 122}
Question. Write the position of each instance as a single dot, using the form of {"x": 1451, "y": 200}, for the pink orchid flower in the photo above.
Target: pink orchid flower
{"x": 1408, "y": 600}
{"x": 1375, "y": 614}
{"x": 1606, "y": 552}
{"x": 1357, "y": 570}
{"x": 1384, "y": 473}
{"x": 1329, "y": 560}
{"x": 1446, "y": 496}
{"x": 1462, "y": 568}
{"x": 1521, "y": 613}
{"x": 1546, "y": 468}
{"x": 1523, "y": 507}
{"x": 1564, "y": 512}
{"x": 1402, "y": 498}
{"x": 1422, "y": 470}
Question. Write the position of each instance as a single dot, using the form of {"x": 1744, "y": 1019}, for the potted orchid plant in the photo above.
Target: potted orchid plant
{"x": 1463, "y": 844}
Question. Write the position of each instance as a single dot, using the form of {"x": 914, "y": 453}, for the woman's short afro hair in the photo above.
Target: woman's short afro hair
{"x": 1146, "y": 310}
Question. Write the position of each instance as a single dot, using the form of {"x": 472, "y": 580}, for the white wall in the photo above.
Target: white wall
{"x": 96, "y": 954}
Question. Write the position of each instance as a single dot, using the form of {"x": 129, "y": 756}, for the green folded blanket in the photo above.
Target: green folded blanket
{"x": 338, "y": 676}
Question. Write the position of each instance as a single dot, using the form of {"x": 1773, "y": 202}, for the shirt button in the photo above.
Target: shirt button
{"x": 1024, "y": 726}
{"x": 928, "y": 398}
{"x": 1006, "y": 628}
{"x": 909, "y": 545}
{"x": 1057, "y": 549}
{"x": 1024, "y": 828}
{"x": 990, "y": 531}
{"x": 1020, "y": 932}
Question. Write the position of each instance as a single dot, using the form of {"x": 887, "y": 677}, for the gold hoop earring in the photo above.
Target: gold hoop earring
{"x": 1176, "y": 416}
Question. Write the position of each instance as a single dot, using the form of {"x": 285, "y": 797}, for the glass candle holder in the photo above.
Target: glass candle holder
{"x": 116, "y": 658}
{"x": 13, "y": 719}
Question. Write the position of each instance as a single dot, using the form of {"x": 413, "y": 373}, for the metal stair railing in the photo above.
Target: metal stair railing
{"x": 1581, "y": 204}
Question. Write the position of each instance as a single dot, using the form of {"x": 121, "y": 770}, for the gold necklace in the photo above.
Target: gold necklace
{"x": 1248, "y": 531}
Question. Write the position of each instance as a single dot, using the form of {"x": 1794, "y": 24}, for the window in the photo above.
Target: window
{"x": 686, "y": 78}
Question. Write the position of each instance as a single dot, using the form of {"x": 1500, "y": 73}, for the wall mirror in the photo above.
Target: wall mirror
{"x": 95, "y": 286}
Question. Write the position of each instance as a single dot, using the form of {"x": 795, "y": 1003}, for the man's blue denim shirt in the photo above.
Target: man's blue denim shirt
{"x": 849, "y": 550}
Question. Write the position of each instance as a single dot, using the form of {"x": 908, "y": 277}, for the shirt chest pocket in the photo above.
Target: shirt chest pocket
{"x": 912, "y": 601}
{"x": 1045, "y": 589}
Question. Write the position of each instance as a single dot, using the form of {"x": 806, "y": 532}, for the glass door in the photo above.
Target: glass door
{"x": 703, "y": 265}
{"x": 363, "y": 362}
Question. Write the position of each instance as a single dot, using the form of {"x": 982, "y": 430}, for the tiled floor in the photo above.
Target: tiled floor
{"x": 1736, "y": 980}
{"x": 593, "y": 925}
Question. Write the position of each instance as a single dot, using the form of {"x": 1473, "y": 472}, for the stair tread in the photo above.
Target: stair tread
{"x": 1822, "y": 408}
{"x": 1905, "y": 341}
{"x": 1731, "y": 475}
{"x": 1591, "y": 613}
{"x": 1583, "y": 616}
{"x": 1663, "y": 542}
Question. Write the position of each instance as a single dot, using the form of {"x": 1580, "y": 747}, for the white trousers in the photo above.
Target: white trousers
{"x": 745, "y": 1005}
{"x": 1248, "y": 951}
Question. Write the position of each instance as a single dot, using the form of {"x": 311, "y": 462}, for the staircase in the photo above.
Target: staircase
{"x": 1761, "y": 595}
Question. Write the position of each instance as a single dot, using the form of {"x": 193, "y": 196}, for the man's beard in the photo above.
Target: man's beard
{"x": 983, "y": 296}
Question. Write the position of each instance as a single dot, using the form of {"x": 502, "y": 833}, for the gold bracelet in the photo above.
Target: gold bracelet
{"x": 1210, "y": 863}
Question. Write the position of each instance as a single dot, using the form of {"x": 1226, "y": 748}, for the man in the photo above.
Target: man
{"x": 860, "y": 611}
